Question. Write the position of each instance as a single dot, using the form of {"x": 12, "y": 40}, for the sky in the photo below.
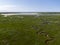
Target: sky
{"x": 29, "y": 5}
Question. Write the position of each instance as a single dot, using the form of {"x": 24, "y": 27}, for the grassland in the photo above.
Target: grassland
{"x": 30, "y": 30}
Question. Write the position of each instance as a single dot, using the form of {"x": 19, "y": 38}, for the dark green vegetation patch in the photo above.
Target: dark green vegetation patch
{"x": 30, "y": 30}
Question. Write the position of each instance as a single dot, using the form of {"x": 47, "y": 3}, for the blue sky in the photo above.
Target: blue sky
{"x": 29, "y": 5}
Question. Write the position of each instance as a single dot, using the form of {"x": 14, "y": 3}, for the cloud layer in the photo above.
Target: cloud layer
{"x": 15, "y": 8}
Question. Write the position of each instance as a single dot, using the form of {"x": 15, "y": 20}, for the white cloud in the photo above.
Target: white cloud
{"x": 15, "y": 8}
{"x": 8, "y": 8}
